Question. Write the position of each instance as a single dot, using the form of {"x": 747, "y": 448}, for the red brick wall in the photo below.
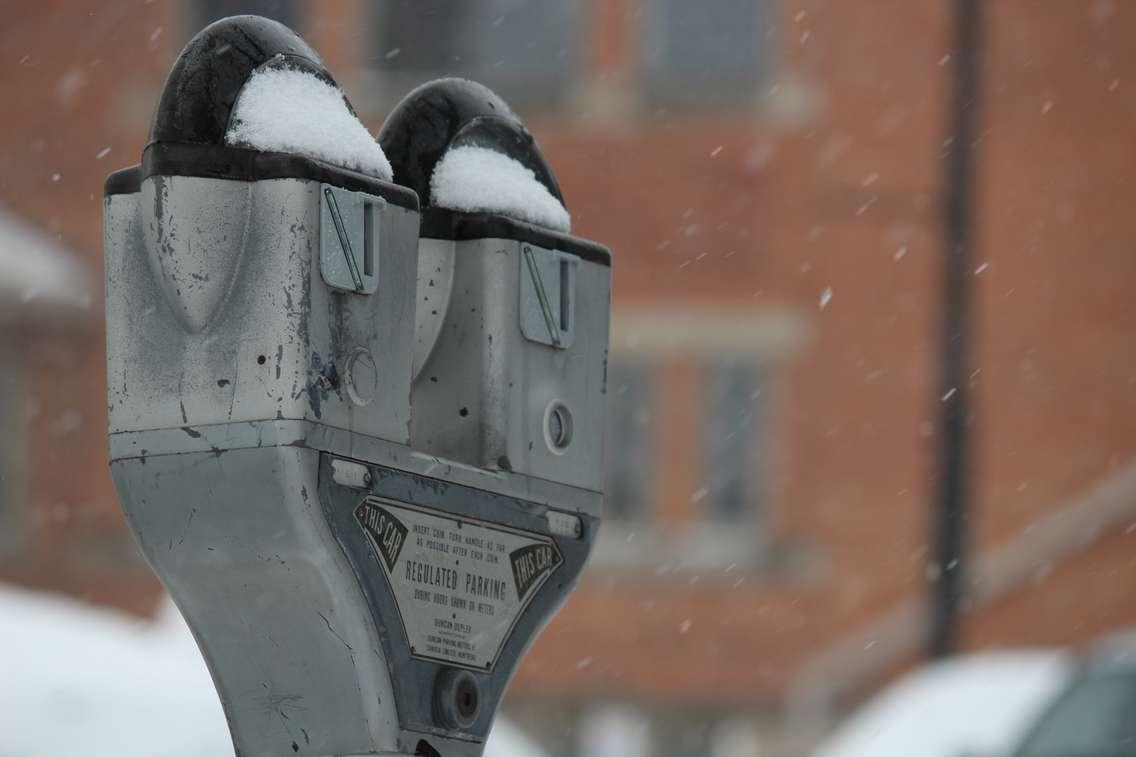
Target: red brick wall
{"x": 749, "y": 210}
{"x": 1055, "y": 314}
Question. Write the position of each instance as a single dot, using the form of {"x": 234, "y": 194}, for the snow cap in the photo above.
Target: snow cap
{"x": 283, "y": 109}
{"x": 460, "y": 147}
{"x": 248, "y": 81}
{"x": 475, "y": 179}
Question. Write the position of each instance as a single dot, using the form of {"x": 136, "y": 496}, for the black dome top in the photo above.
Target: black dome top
{"x": 187, "y": 136}
{"x": 208, "y": 75}
{"x": 455, "y": 112}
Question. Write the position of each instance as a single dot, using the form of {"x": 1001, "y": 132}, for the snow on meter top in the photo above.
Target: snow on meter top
{"x": 355, "y": 392}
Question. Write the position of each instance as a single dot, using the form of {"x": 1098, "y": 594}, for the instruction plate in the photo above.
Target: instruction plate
{"x": 460, "y": 585}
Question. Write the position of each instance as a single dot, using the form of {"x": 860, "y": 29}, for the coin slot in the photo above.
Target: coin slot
{"x": 565, "y": 294}
{"x": 368, "y": 238}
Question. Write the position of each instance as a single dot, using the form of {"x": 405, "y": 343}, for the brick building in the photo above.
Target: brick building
{"x": 768, "y": 174}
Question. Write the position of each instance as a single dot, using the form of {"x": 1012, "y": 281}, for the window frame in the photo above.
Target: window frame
{"x": 198, "y": 16}
{"x": 386, "y": 82}
{"x": 703, "y": 93}
{"x": 718, "y": 551}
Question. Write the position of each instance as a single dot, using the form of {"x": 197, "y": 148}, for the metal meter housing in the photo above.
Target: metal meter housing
{"x": 366, "y": 483}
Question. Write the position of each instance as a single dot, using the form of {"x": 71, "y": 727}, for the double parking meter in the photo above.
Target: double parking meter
{"x": 357, "y": 435}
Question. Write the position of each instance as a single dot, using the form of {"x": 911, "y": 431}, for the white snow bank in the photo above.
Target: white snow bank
{"x": 79, "y": 679}
{"x": 82, "y": 680}
{"x": 479, "y": 180}
{"x": 281, "y": 110}
{"x": 34, "y": 267}
{"x": 977, "y": 704}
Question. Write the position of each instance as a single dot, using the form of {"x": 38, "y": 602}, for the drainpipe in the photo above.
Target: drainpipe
{"x": 953, "y": 483}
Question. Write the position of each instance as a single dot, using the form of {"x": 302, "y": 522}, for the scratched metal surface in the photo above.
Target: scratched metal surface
{"x": 216, "y": 311}
{"x": 227, "y": 358}
{"x": 482, "y": 390}
{"x": 242, "y": 545}
{"x": 285, "y": 433}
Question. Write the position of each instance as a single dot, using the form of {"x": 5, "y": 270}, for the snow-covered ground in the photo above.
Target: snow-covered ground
{"x": 35, "y": 267}
{"x": 979, "y": 704}
{"x": 82, "y": 680}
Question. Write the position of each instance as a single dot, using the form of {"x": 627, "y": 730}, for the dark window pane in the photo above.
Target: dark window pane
{"x": 206, "y": 12}
{"x": 704, "y": 53}
{"x": 13, "y": 439}
{"x": 528, "y": 52}
{"x": 732, "y": 410}
{"x": 628, "y": 447}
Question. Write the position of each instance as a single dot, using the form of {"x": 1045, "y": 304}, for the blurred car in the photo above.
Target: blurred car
{"x": 976, "y": 705}
{"x": 1095, "y": 714}
{"x": 1038, "y": 703}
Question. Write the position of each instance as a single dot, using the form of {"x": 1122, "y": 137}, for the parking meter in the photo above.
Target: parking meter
{"x": 512, "y": 327}
{"x": 343, "y": 441}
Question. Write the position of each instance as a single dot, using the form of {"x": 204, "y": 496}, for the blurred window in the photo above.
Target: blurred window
{"x": 205, "y": 12}
{"x": 1093, "y": 719}
{"x": 528, "y": 52}
{"x": 705, "y": 53}
{"x": 13, "y": 441}
{"x": 734, "y": 419}
{"x": 628, "y": 443}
